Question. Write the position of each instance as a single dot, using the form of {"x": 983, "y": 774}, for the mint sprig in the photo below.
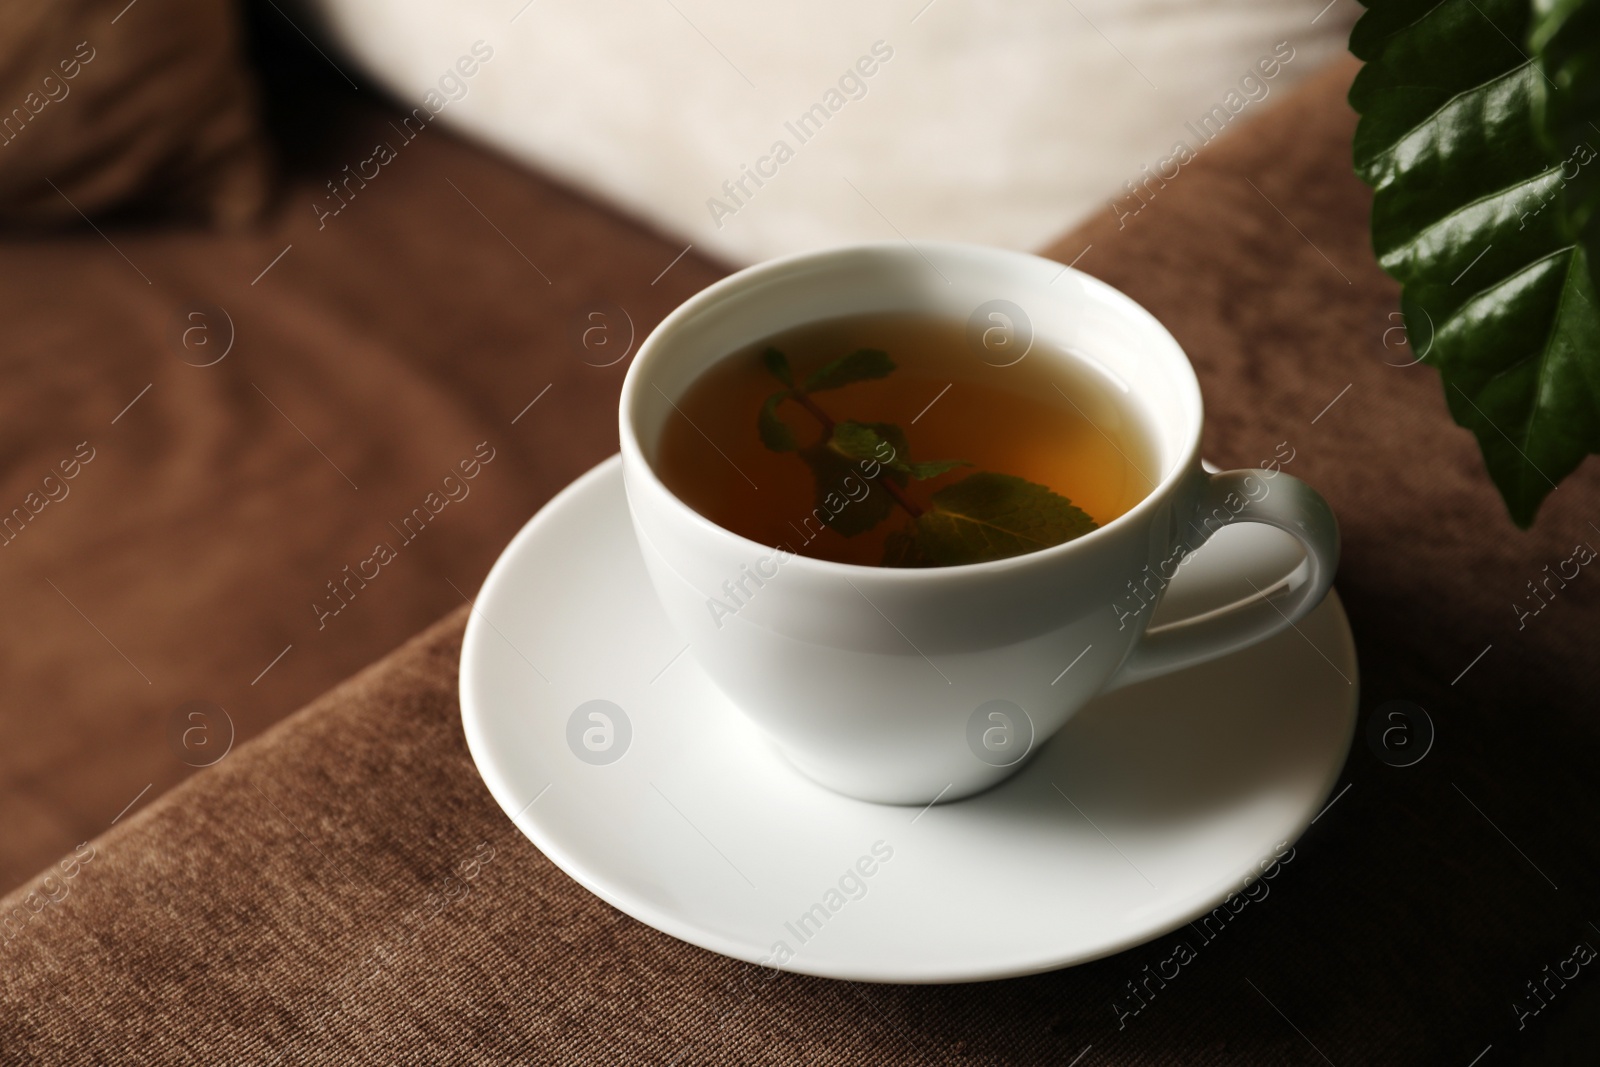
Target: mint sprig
{"x": 861, "y": 365}
{"x": 867, "y": 440}
{"x": 987, "y": 516}
{"x": 861, "y": 471}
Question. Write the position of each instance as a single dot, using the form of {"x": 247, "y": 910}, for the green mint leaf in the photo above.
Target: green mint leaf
{"x": 775, "y": 433}
{"x": 886, "y": 443}
{"x": 880, "y": 441}
{"x": 934, "y": 468}
{"x": 858, "y": 366}
{"x": 988, "y": 516}
{"x": 845, "y": 499}
{"x": 1485, "y": 184}
{"x": 778, "y": 366}
{"x": 900, "y": 548}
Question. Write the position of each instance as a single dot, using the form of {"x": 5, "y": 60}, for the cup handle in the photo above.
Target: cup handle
{"x": 1292, "y": 506}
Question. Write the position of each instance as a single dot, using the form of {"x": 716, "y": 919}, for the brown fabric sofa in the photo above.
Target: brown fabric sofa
{"x": 288, "y": 903}
{"x": 379, "y": 350}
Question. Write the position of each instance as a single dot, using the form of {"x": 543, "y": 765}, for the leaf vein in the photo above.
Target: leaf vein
{"x": 1435, "y": 114}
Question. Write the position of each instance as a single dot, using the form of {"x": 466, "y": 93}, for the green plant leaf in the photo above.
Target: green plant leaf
{"x": 858, "y": 366}
{"x": 775, "y": 433}
{"x": 882, "y": 442}
{"x": 845, "y": 499}
{"x": 1470, "y": 216}
{"x": 934, "y": 468}
{"x": 1382, "y": 20}
{"x": 885, "y": 443}
{"x": 900, "y": 548}
{"x": 778, "y": 366}
{"x": 987, "y": 516}
{"x": 838, "y": 466}
{"x": 1566, "y": 38}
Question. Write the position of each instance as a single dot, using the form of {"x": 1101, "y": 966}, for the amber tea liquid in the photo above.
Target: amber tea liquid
{"x": 1050, "y": 418}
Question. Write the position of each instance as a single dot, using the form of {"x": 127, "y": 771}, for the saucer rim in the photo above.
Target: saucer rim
{"x": 497, "y": 780}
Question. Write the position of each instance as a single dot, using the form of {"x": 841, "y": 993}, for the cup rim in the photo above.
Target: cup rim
{"x": 764, "y": 272}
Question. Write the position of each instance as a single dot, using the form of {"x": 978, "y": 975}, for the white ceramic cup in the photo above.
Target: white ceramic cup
{"x": 909, "y": 685}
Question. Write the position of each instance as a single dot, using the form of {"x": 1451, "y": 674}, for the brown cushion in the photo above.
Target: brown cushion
{"x": 397, "y": 337}
{"x": 144, "y": 105}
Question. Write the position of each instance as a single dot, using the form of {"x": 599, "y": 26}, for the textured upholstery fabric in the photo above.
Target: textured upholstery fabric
{"x": 343, "y": 889}
{"x": 383, "y": 347}
{"x": 107, "y": 104}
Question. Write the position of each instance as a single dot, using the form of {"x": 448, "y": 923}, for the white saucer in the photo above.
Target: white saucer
{"x": 1142, "y": 814}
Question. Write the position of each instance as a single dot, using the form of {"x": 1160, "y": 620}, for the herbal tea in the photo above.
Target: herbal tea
{"x": 886, "y": 440}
